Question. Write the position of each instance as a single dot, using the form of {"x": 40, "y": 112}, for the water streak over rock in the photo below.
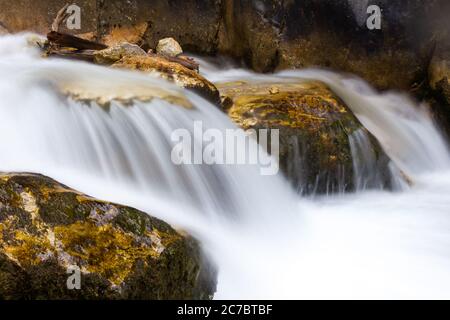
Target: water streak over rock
{"x": 315, "y": 127}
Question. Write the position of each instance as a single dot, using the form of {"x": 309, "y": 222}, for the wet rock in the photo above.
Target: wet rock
{"x": 3, "y": 30}
{"x": 169, "y": 47}
{"x": 268, "y": 34}
{"x": 439, "y": 87}
{"x": 193, "y": 23}
{"x": 124, "y": 90}
{"x": 246, "y": 33}
{"x": 48, "y": 230}
{"x": 173, "y": 72}
{"x": 125, "y": 93}
{"x": 132, "y": 57}
{"x": 38, "y": 16}
{"x": 271, "y": 34}
{"x": 115, "y": 53}
{"x": 132, "y": 34}
{"x": 318, "y": 133}
{"x": 439, "y": 74}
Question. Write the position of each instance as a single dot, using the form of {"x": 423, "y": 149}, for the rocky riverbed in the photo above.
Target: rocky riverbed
{"x": 124, "y": 253}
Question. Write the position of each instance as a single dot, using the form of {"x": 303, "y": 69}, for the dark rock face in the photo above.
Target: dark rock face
{"x": 38, "y": 15}
{"x": 251, "y": 30}
{"x": 439, "y": 84}
{"x": 192, "y": 23}
{"x": 122, "y": 253}
{"x": 3, "y": 30}
{"x": 333, "y": 34}
{"x": 268, "y": 34}
{"x": 315, "y": 130}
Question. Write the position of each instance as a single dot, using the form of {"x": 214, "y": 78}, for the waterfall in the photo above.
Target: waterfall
{"x": 404, "y": 129}
{"x": 365, "y": 164}
{"x": 267, "y": 241}
{"x": 123, "y": 145}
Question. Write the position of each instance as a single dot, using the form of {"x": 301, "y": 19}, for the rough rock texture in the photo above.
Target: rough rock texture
{"x": 3, "y": 30}
{"x": 439, "y": 73}
{"x": 244, "y": 32}
{"x": 439, "y": 83}
{"x": 38, "y": 16}
{"x": 132, "y": 57}
{"x": 117, "y": 52}
{"x": 122, "y": 253}
{"x": 272, "y": 34}
{"x": 119, "y": 34}
{"x": 171, "y": 71}
{"x": 315, "y": 126}
{"x": 268, "y": 34}
{"x": 169, "y": 47}
{"x": 193, "y": 23}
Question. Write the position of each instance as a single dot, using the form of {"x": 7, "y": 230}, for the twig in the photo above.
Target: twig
{"x": 67, "y": 40}
{"x": 60, "y": 17}
{"x": 183, "y": 60}
{"x": 87, "y": 55}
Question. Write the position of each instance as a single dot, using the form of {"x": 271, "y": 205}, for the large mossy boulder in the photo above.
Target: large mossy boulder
{"x": 47, "y": 231}
{"x": 320, "y": 138}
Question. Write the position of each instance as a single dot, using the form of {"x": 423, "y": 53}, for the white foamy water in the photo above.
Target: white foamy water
{"x": 267, "y": 241}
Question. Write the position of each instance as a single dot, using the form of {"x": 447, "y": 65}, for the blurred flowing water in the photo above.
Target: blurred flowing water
{"x": 267, "y": 241}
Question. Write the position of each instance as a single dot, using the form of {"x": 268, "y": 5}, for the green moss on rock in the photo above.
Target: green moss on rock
{"x": 45, "y": 227}
{"x": 314, "y": 126}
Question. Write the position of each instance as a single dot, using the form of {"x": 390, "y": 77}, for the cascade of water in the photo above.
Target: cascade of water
{"x": 370, "y": 244}
{"x": 404, "y": 129}
{"x": 406, "y": 132}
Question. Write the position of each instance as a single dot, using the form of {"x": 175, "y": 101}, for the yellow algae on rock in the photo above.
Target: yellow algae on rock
{"x": 314, "y": 126}
{"x": 108, "y": 251}
{"x": 171, "y": 71}
{"x": 46, "y": 227}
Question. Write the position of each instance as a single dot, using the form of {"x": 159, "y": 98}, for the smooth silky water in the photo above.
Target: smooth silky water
{"x": 267, "y": 241}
